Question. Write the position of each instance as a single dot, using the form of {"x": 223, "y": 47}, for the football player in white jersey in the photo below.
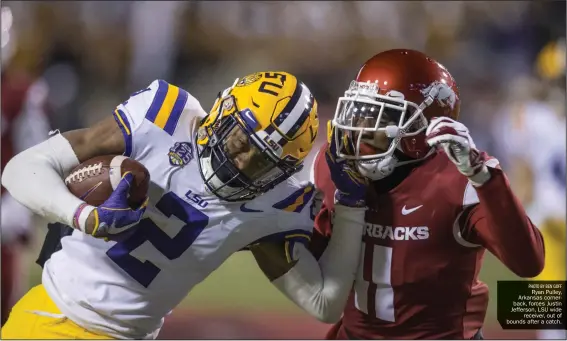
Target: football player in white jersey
{"x": 220, "y": 183}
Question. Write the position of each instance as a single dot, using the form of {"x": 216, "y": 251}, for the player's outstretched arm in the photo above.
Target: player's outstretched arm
{"x": 321, "y": 287}
{"x": 498, "y": 222}
{"x": 34, "y": 177}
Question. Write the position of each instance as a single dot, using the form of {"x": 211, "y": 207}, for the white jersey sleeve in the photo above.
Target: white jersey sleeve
{"x": 320, "y": 287}
{"x": 285, "y": 212}
{"x": 160, "y": 105}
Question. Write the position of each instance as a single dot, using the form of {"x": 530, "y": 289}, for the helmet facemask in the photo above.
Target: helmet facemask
{"x": 236, "y": 162}
{"x": 363, "y": 115}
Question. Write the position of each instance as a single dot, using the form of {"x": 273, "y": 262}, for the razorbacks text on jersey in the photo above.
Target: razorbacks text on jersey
{"x": 124, "y": 289}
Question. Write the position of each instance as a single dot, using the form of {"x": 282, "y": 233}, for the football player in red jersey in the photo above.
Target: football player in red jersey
{"x": 435, "y": 204}
{"x": 24, "y": 124}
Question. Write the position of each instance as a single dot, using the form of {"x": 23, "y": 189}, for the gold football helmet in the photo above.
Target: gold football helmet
{"x": 257, "y": 135}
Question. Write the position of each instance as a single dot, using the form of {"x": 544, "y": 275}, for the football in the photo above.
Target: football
{"x": 94, "y": 180}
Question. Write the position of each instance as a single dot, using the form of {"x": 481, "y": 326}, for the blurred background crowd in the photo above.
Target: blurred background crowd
{"x": 508, "y": 58}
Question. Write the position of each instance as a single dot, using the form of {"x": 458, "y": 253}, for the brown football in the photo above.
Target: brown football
{"x": 94, "y": 180}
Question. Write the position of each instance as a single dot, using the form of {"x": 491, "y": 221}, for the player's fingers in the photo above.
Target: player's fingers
{"x": 447, "y": 139}
{"x": 332, "y": 141}
{"x": 454, "y": 146}
{"x": 433, "y": 141}
{"x": 433, "y": 124}
{"x": 331, "y": 153}
{"x": 436, "y": 121}
{"x": 443, "y": 129}
{"x": 144, "y": 205}
{"x": 440, "y": 127}
{"x": 329, "y": 131}
{"x": 335, "y": 138}
{"x": 440, "y": 123}
{"x": 356, "y": 177}
{"x": 449, "y": 152}
{"x": 125, "y": 182}
{"x": 349, "y": 146}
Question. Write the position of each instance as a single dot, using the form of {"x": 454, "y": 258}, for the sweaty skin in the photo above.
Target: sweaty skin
{"x": 244, "y": 155}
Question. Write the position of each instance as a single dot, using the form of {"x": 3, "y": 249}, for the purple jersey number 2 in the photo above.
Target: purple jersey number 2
{"x": 144, "y": 272}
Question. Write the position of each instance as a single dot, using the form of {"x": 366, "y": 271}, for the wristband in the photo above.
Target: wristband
{"x": 81, "y": 215}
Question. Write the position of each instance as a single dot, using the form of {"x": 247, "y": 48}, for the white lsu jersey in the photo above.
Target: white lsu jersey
{"x": 125, "y": 289}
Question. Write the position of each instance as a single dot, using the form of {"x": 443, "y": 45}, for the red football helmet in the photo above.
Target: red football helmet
{"x": 396, "y": 93}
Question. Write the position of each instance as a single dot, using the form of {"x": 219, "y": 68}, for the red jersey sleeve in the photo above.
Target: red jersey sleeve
{"x": 500, "y": 224}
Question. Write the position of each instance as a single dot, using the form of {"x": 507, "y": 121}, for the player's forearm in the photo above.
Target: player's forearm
{"x": 322, "y": 287}
{"x": 35, "y": 179}
{"x": 506, "y": 230}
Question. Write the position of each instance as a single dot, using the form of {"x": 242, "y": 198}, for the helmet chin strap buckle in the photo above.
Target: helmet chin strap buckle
{"x": 387, "y": 169}
{"x": 378, "y": 169}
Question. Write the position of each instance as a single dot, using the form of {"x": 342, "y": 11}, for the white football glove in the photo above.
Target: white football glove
{"x": 455, "y": 139}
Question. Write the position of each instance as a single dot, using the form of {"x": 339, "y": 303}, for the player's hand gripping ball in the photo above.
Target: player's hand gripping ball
{"x": 117, "y": 187}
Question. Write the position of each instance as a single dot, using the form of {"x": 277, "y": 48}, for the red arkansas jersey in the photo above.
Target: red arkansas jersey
{"x": 418, "y": 277}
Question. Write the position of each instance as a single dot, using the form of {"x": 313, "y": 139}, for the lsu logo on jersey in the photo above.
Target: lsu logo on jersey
{"x": 249, "y": 79}
{"x": 180, "y": 154}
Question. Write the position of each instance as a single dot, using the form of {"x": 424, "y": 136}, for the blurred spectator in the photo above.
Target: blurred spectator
{"x": 531, "y": 129}
{"x": 24, "y": 124}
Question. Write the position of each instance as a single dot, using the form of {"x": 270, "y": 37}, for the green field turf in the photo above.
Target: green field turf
{"x": 239, "y": 285}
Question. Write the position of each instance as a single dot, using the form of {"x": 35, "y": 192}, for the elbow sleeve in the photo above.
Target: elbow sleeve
{"x": 34, "y": 178}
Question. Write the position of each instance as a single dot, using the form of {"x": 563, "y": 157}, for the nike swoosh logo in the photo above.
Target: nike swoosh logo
{"x": 406, "y": 211}
{"x": 243, "y": 208}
